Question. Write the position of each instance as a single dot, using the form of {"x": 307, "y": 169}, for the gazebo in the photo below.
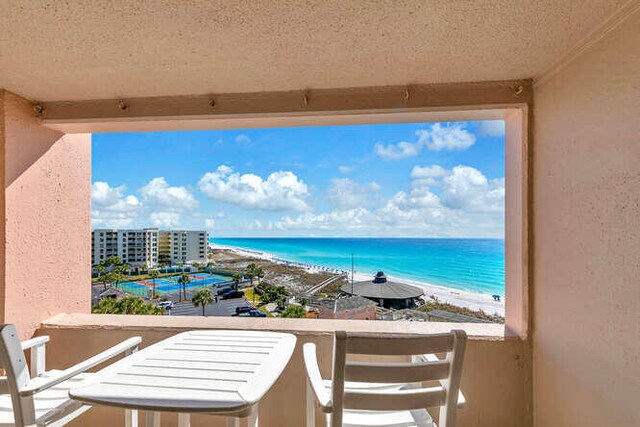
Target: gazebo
{"x": 387, "y": 294}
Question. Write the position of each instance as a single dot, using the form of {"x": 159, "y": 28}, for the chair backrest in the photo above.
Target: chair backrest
{"x": 447, "y": 371}
{"x": 13, "y": 361}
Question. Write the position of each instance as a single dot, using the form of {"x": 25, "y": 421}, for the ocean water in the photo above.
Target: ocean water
{"x": 467, "y": 264}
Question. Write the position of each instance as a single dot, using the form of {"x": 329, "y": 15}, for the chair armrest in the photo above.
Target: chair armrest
{"x": 314, "y": 377}
{"x": 433, "y": 358}
{"x": 36, "y": 347}
{"x": 34, "y": 342}
{"x": 42, "y": 383}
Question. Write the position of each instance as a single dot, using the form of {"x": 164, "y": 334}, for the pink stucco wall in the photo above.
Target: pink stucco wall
{"x": 46, "y": 245}
{"x": 586, "y": 277}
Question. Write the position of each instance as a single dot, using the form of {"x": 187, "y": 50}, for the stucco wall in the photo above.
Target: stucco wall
{"x": 46, "y": 218}
{"x": 586, "y": 289}
{"x": 494, "y": 377}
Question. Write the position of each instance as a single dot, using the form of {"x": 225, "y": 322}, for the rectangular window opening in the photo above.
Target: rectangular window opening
{"x": 385, "y": 222}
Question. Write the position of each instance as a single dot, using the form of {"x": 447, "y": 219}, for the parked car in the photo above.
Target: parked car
{"x": 243, "y": 309}
{"x": 231, "y": 294}
{"x": 167, "y": 305}
{"x": 252, "y": 313}
{"x": 222, "y": 289}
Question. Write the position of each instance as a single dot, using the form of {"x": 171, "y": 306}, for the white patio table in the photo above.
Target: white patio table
{"x": 222, "y": 372}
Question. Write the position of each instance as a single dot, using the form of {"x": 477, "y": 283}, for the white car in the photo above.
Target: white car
{"x": 167, "y": 305}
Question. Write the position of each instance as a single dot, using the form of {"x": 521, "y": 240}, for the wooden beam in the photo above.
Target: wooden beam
{"x": 291, "y": 108}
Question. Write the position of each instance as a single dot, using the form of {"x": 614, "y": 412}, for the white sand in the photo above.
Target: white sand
{"x": 459, "y": 298}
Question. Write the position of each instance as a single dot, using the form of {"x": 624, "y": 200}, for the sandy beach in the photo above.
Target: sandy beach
{"x": 460, "y": 298}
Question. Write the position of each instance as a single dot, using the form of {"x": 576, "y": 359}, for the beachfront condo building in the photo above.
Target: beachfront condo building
{"x": 149, "y": 246}
{"x": 181, "y": 246}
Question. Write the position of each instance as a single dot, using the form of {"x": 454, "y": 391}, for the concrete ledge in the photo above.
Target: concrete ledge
{"x": 476, "y": 331}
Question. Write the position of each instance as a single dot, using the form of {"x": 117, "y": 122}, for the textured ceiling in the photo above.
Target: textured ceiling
{"x": 72, "y": 50}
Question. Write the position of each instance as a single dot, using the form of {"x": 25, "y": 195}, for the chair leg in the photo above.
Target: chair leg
{"x": 252, "y": 419}
{"x": 184, "y": 420}
{"x": 311, "y": 407}
{"x": 233, "y": 422}
{"x": 130, "y": 418}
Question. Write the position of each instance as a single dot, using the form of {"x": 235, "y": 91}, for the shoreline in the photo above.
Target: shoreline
{"x": 460, "y": 298}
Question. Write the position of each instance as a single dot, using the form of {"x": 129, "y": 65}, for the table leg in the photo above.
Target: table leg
{"x": 131, "y": 418}
{"x": 184, "y": 420}
{"x": 153, "y": 419}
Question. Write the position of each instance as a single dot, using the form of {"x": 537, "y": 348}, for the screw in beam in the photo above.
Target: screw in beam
{"x": 38, "y": 110}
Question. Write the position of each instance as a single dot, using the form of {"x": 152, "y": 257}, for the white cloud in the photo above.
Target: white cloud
{"x": 397, "y": 151}
{"x": 243, "y": 138}
{"x": 468, "y": 189}
{"x": 280, "y": 191}
{"x": 345, "y": 193}
{"x": 434, "y": 171}
{"x": 466, "y": 205}
{"x": 438, "y": 137}
{"x": 448, "y": 137}
{"x": 110, "y": 207}
{"x": 209, "y": 223}
{"x": 345, "y": 169}
{"x": 159, "y": 193}
{"x": 492, "y": 127}
{"x": 165, "y": 219}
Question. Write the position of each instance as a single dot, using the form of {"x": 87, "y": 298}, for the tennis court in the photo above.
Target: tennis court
{"x": 170, "y": 283}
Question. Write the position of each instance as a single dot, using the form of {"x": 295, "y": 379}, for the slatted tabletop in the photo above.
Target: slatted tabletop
{"x": 198, "y": 371}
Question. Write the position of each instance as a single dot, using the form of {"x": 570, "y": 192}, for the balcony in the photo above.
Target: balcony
{"x": 494, "y": 373}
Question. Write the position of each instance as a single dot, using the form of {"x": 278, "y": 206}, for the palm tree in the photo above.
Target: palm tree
{"x": 251, "y": 272}
{"x": 154, "y": 275}
{"x": 237, "y": 278}
{"x": 184, "y": 280}
{"x": 202, "y": 298}
{"x": 99, "y": 269}
{"x": 259, "y": 273}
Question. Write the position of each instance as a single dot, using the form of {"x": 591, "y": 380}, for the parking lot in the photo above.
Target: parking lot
{"x": 221, "y": 308}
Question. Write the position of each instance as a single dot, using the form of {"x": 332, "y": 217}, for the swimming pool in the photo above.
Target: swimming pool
{"x": 170, "y": 283}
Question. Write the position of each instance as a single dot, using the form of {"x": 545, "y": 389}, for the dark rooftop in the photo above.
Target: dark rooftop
{"x": 341, "y": 304}
{"x": 381, "y": 288}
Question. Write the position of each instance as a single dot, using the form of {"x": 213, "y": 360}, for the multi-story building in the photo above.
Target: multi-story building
{"x": 180, "y": 246}
{"x": 149, "y": 246}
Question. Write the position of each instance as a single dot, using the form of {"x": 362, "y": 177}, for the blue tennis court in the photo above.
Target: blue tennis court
{"x": 170, "y": 284}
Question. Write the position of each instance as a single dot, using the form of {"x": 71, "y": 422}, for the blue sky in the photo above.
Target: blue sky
{"x": 418, "y": 180}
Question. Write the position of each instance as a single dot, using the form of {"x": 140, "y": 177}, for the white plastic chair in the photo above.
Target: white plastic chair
{"x": 387, "y": 394}
{"x": 40, "y": 397}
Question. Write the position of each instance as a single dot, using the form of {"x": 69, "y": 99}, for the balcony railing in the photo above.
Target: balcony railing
{"x": 496, "y": 376}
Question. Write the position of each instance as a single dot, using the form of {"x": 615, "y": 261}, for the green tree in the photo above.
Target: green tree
{"x": 294, "y": 311}
{"x": 237, "y": 278}
{"x": 153, "y": 274}
{"x": 113, "y": 279}
{"x": 202, "y": 298}
{"x": 99, "y": 269}
{"x": 251, "y": 272}
{"x": 111, "y": 261}
{"x": 259, "y": 273}
{"x": 304, "y": 301}
{"x": 184, "y": 280}
{"x": 126, "y": 305}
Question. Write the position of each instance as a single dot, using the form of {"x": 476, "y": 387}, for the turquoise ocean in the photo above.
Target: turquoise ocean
{"x": 475, "y": 265}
